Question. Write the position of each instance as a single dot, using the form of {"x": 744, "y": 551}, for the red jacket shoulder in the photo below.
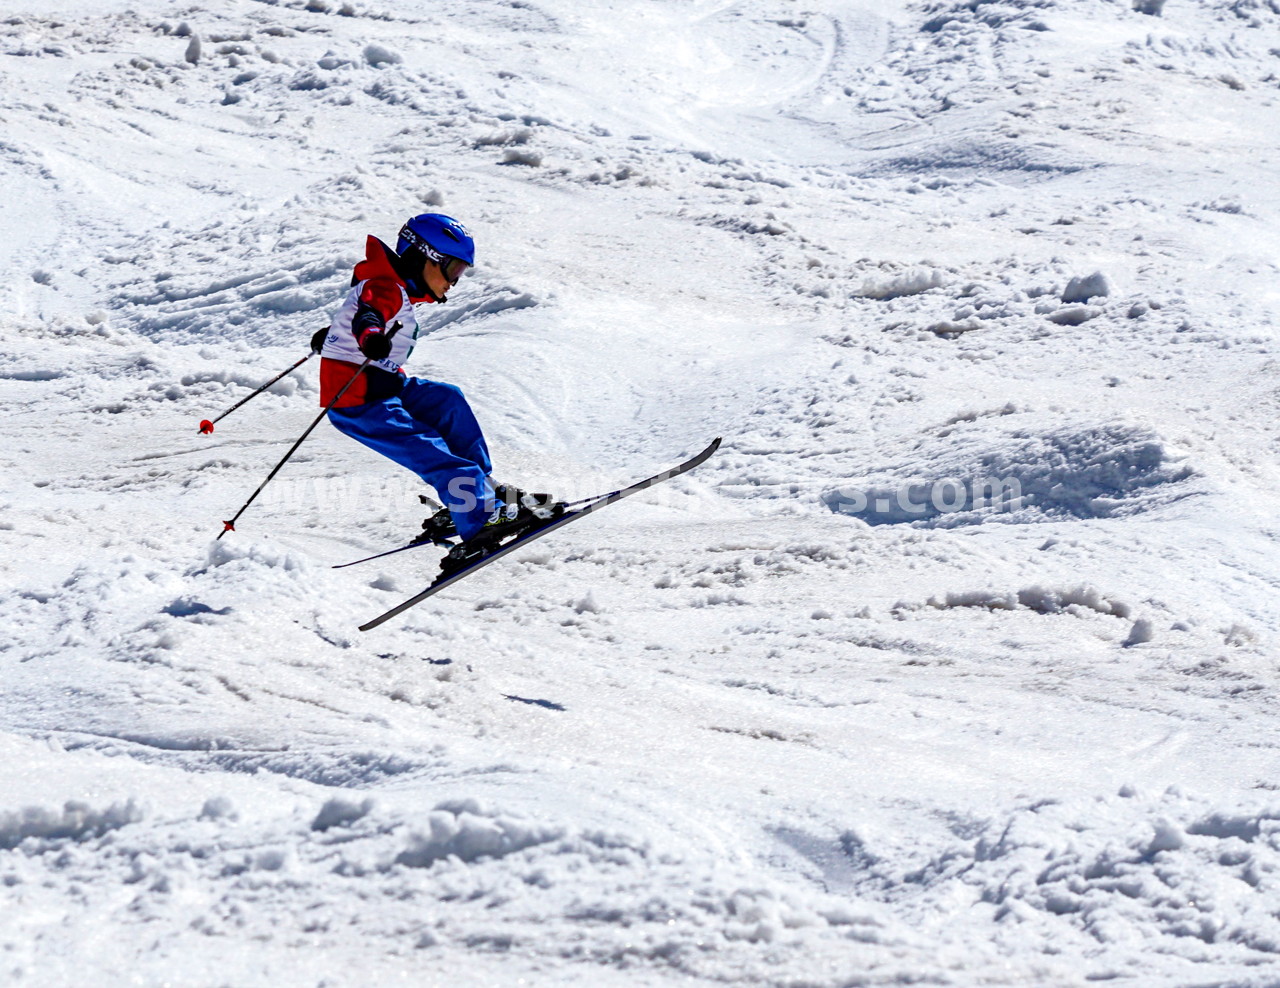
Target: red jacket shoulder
{"x": 379, "y": 263}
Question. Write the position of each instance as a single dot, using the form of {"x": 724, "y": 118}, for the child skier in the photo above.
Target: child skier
{"x": 425, "y": 426}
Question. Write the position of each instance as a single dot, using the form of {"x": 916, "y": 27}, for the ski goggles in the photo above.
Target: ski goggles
{"x": 452, "y": 267}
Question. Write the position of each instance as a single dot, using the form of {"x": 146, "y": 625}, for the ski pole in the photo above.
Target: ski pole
{"x": 206, "y": 426}
{"x": 230, "y": 526}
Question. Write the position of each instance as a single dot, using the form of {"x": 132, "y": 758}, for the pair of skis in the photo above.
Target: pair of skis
{"x": 535, "y": 531}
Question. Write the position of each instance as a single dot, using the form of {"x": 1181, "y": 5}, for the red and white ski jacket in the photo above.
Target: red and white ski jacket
{"x": 379, "y": 298}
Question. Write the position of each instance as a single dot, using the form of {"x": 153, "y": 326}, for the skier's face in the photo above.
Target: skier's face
{"x": 434, "y": 274}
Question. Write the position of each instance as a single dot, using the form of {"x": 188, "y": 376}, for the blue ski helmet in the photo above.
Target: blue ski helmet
{"x": 436, "y": 236}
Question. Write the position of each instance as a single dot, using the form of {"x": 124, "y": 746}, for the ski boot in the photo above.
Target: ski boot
{"x": 518, "y": 506}
{"x": 520, "y": 512}
{"x": 542, "y": 506}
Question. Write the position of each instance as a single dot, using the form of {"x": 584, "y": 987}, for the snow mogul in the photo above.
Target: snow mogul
{"x": 425, "y": 426}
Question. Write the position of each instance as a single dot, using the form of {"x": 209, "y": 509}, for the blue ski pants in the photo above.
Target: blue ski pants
{"x": 430, "y": 429}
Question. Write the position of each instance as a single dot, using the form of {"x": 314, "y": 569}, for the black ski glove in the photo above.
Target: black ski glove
{"x": 318, "y": 338}
{"x": 376, "y": 346}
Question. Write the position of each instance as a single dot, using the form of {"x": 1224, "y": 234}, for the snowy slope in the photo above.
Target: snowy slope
{"x": 955, "y": 666}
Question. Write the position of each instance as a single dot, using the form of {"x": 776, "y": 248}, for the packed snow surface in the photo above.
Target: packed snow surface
{"x": 957, "y": 665}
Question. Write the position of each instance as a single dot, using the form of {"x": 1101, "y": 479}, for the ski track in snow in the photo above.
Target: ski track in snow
{"x": 813, "y": 715}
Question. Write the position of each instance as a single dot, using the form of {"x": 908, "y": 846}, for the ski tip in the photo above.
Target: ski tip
{"x": 206, "y": 427}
